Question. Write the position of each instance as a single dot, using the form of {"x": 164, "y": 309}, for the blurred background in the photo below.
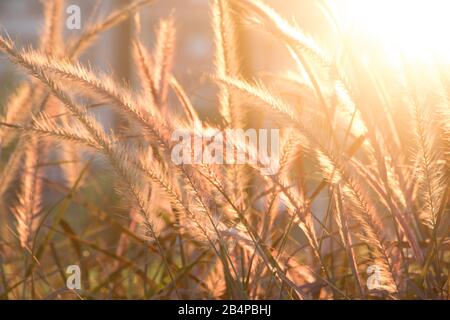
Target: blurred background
{"x": 22, "y": 20}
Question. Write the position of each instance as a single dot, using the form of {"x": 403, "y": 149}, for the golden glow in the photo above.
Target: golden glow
{"x": 417, "y": 29}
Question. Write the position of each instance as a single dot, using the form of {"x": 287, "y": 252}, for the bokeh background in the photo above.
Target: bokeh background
{"x": 22, "y": 19}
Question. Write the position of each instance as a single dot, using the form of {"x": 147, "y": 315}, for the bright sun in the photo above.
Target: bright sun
{"x": 418, "y": 29}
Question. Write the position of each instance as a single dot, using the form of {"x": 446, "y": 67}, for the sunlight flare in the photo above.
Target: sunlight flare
{"x": 416, "y": 29}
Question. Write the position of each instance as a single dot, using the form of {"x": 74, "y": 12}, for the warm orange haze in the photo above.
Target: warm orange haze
{"x": 225, "y": 149}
